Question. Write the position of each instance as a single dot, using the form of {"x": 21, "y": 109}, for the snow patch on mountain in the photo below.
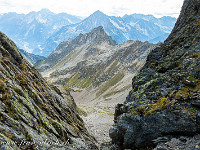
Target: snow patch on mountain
{"x": 117, "y": 26}
{"x": 26, "y": 46}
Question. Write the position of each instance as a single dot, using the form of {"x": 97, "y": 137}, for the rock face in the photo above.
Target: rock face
{"x": 34, "y": 114}
{"x": 163, "y": 106}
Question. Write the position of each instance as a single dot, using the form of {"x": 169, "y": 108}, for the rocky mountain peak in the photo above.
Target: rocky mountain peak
{"x": 30, "y": 30}
{"x": 98, "y": 35}
{"x": 121, "y": 29}
{"x": 98, "y": 13}
{"x": 92, "y": 39}
{"x": 95, "y": 37}
{"x": 98, "y": 70}
{"x": 98, "y": 29}
{"x": 45, "y": 10}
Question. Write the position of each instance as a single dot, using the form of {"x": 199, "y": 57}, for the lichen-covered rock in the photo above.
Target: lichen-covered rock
{"x": 33, "y": 114}
{"x": 183, "y": 142}
{"x": 164, "y": 102}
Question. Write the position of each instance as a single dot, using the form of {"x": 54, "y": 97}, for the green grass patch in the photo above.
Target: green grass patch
{"x": 73, "y": 81}
{"x": 113, "y": 68}
{"x": 113, "y": 81}
{"x": 77, "y": 81}
{"x": 90, "y": 110}
{"x": 117, "y": 91}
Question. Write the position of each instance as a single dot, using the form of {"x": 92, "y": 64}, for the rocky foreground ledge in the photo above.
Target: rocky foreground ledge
{"x": 34, "y": 114}
{"x": 163, "y": 109}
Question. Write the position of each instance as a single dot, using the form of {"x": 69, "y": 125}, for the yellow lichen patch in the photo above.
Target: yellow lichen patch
{"x": 28, "y": 136}
{"x": 22, "y": 67}
{"x": 198, "y": 23}
{"x": 197, "y": 87}
{"x": 161, "y": 104}
{"x": 192, "y": 111}
{"x": 6, "y": 99}
{"x": 2, "y": 86}
{"x": 51, "y": 120}
{"x": 75, "y": 127}
{"x": 5, "y": 59}
{"x": 195, "y": 42}
{"x": 18, "y": 91}
{"x": 183, "y": 94}
{"x": 195, "y": 55}
{"x": 152, "y": 65}
{"x": 133, "y": 111}
{"x": 9, "y": 135}
{"x": 2, "y": 118}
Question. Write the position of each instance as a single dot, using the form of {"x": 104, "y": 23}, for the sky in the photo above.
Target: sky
{"x": 84, "y": 8}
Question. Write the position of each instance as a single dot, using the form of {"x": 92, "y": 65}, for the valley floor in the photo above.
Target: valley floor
{"x": 99, "y": 113}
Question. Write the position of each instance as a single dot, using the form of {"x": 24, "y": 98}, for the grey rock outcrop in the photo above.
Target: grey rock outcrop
{"x": 164, "y": 102}
{"x": 34, "y": 114}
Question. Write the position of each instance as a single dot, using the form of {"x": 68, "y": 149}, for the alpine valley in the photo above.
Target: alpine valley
{"x": 106, "y": 82}
{"x": 96, "y": 70}
{"x": 41, "y": 32}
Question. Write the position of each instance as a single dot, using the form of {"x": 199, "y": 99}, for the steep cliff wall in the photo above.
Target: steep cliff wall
{"x": 34, "y": 114}
{"x": 164, "y": 103}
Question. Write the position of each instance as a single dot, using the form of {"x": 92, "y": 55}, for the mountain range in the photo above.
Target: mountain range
{"x": 41, "y": 32}
{"x": 121, "y": 29}
{"x": 30, "y": 31}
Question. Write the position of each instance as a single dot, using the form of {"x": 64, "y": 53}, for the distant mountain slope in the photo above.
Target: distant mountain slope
{"x": 165, "y": 23}
{"x": 34, "y": 114}
{"x": 121, "y": 29}
{"x": 31, "y": 30}
{"x": 31, "y": 58}
{"x": 94, "y": 60}
{"x": 81, "y": 44}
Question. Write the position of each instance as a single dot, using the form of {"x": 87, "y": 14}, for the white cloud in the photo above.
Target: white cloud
{"x": 87, "y": 7}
